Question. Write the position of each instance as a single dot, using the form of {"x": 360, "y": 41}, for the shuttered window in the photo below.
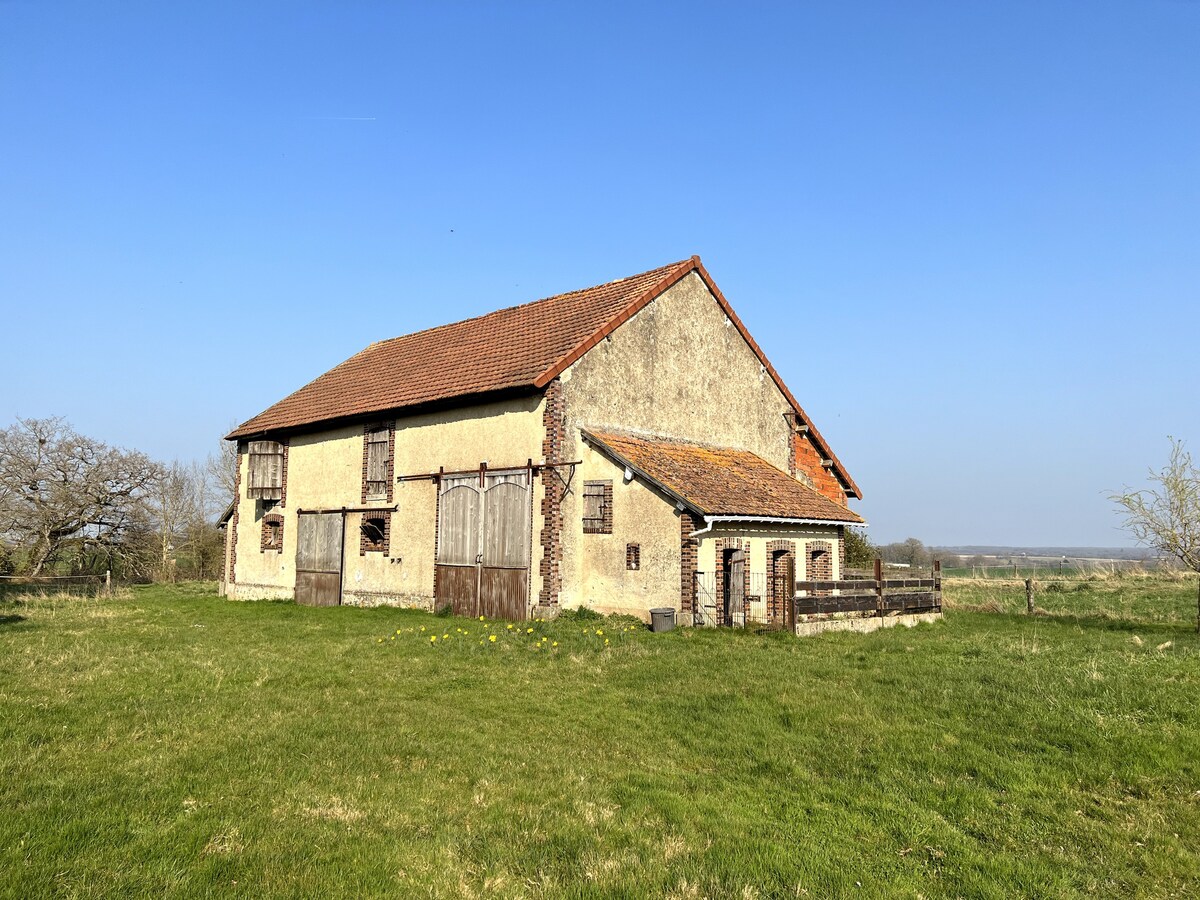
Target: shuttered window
{"x": 266, "y": 471}
{"x": 378, "y": 457}
{"x": 597, "y": 507}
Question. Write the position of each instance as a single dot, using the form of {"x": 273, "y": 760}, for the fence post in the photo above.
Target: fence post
{"x": 1029, "y": 596}
{"x": 937, "y": 582}
{"x": 879, "y": 586}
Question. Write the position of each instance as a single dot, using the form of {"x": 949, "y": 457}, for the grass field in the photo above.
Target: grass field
{"x": 169, "y": 743}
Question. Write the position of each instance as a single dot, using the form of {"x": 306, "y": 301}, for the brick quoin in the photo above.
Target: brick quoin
{"x": 689, "y": 554}
{"x": 237, "y": 510}
{"x": 554, "y": 424}
{"x": 283, "y": 442}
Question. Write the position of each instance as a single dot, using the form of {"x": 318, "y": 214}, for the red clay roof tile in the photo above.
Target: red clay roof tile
{"x": 720, "y": 481}
{"x": 519, "y": 348}
{"x": 503, "y": 350}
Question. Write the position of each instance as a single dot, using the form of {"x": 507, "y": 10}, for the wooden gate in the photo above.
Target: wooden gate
{"x": 484, "y": 532}
{"x": 319, "y": 559}
{"x": 734, "y": 587}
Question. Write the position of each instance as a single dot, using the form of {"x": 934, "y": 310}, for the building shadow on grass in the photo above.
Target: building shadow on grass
{"x": 10, "y": 619}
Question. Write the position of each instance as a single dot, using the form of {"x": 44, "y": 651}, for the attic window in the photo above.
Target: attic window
{"x": 374, "y": 534}
{"x": 266, "y": 471}
{"x": 377, "y": 463}
{"x": 597, "y": 507}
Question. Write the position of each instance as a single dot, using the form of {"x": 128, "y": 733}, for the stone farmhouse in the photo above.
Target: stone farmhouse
{"x": 623, "y": 447}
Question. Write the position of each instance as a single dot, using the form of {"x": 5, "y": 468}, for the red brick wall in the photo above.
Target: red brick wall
{"x": 819, "y": 563}
{"x": 805, "y": 458}
{"x": 778, "y": 554}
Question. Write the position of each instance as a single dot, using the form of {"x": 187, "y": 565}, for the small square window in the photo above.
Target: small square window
{"x": 272, "y": 533}
{"x": 633, "y": 557}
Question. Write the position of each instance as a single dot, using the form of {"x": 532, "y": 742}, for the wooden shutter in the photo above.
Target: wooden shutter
{"x": 266, "y": 471}
{"x": 597, "y": 507}
{"x": 377, "y": 462}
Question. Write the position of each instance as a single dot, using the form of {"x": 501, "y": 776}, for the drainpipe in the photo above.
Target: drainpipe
{"x": 708, "y": 524}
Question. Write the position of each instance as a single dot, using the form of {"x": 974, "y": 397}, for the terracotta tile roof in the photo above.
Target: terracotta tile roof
{"x": 503, "y": 350}
{"x": 719, "y": 481}
{"x": 518, "y": 348}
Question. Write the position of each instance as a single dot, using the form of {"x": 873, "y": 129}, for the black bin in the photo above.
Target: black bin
{"x": 662, "y": 619}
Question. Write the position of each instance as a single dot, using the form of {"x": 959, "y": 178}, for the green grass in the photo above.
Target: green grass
{"x": 169, "y": 743}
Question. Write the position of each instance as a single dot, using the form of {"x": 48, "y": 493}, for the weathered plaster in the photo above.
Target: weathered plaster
{"x": 641, "y": 515}
{"x": 325, "y": 471}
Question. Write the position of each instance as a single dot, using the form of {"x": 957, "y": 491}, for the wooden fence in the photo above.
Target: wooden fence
{"x": 879, "y": 596}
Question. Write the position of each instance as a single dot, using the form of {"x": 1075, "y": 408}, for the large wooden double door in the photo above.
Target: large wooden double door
{"x": 484, "y": 533}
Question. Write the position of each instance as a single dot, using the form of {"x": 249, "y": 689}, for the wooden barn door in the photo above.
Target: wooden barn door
{"x": 458, "y": 558}
{"x": 504, "y": 577}
{"x": 483, "y": 544}
{"x": 319, "y": 559}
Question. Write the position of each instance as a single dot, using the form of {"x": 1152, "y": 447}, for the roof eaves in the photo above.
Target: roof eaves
{"x": 637, "y": 470}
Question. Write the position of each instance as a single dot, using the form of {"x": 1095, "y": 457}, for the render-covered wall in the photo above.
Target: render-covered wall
{"x": 325, "y": 471}
{"x": 640, "y": 516}
{"x": 681, "y": 368}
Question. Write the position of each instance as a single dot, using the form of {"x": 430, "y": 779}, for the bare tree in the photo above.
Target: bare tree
{"x": 173, "y": 500}
{"x": 221, "y": 468}
{"x": 1167, "y": 518}
{"x": 59, "y": 489}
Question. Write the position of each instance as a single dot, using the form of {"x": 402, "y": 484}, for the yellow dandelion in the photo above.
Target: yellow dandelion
{"x": 606, "y": 642}
{"x": 510, "y": 626}
{"x": 599, "y": 631}
{"x": 397, "y": 631}
{"x": 555, "y": 644}
{"x": 529, "y": 631}
{"x": 492, "y": 638}
{"x": 433, "y": 639}
{"x": 379, "y": 641}
{"x": 483, "y": 618}
{"x": 422, "y": 627}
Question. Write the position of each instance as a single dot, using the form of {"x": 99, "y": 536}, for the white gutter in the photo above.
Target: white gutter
{"x": 710, "y": 521}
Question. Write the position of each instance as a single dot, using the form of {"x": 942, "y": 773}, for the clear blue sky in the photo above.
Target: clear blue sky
{"x": 967, "y": 234}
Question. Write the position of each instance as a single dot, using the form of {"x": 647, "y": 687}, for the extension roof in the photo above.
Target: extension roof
{"x": 720, "y": 481}
{"x": 518, "y": 349}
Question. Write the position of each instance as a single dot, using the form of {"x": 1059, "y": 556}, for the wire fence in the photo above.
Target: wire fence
{"x": 74, "y": 585}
